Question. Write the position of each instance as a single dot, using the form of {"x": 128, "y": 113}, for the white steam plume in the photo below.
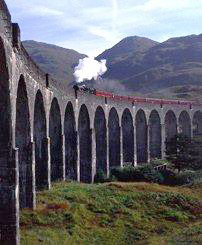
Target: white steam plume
{"x": 89, "y": 68}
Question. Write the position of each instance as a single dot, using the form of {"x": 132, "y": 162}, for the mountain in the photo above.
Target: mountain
{"x": 129, "y": 45}
{"x": 172, "y": 68}
{"x": 57, "y": 61}
{"x": 125, "y": 56}
{"x": 136, "y": 66}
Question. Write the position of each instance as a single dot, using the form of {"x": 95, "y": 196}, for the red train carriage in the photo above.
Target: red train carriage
{"x": 134, "y": 100}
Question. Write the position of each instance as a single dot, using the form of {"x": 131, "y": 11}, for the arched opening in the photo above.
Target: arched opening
{"x": 85, "y": 144}
{"x": 197, "y": 136}
{"x": 22, "y": 132}
{"x": 4, "y": 100}
{"x": 185, "y": 124}
{"x": 197, "y": 124}
{"x": 170, "y": 125}
{"x": 70, "y": 143}
{"x": 154, "y": 135}
{"x": 40, "y": 139}
{"x": 128, "y": 136}
{"x": 114, "y": 139}
{"x": 55, "y": 133}
{"x": 101, "y": 140}
{"x": 141, "y": 137}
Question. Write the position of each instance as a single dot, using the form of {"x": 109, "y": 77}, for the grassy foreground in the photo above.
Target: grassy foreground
{"x": 114, "y": 213}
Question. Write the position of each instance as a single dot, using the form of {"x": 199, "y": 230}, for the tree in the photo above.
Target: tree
{"x": 197, "y": 164}
{"x": 181, "y": 151}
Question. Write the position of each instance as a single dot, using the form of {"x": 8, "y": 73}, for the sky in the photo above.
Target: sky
{"x": 91, "y": 26}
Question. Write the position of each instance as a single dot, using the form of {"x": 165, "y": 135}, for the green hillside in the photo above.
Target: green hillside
{"x": 114, "y": 213}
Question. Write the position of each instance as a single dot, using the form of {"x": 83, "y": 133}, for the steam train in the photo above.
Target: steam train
{"x": 108, "y": 95}
{"x": 84, "y": 88}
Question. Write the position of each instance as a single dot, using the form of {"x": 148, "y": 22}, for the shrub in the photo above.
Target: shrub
{"x": 111, "y": 178}
{"x": 123, "y": 174}
{"x": 150, "y": 174}
{"x": 128, "y": 173}
{"x": 169, "y": 177}
{"x": 182, "y": 178}
{"x": 100, "y": 177}
{"x": 142, "y": 173}
{"x": 186, "y": 177}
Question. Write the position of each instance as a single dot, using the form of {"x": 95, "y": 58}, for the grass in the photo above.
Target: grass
{"x": 114, "y": 213}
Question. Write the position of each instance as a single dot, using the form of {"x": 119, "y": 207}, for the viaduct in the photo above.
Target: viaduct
{"x": 48, "y": 134}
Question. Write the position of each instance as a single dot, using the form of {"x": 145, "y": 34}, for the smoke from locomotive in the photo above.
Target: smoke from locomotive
{"x": 88, "y": 69}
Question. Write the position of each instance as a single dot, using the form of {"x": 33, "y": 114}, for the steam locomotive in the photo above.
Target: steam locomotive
{"x": 84, "y": 88}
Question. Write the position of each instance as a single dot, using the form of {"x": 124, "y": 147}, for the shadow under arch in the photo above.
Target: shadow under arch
{"x": 40, "y": 139}
{"x": 55, "y": 134}
{"x": 70, "y": 143}
{"x": 170, "y": 125}
{"x": 197, "y": 124}
{"x": 155, "y": 136}
{"x": 141, "y": 136}
{"x": 114, "y": 139}
{"x": 85, "y": 145}
{"x": 128, "y": 136}
{"x": 185, "y": 124}
{"x": 101, "y": 140}
{"x": 22, "y": 141}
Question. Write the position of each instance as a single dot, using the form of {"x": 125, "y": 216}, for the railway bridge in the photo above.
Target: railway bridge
{"x": 50, "y": 133}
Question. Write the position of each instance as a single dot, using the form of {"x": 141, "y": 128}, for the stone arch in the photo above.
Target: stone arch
{"x": 170, "y": 125}
{"x": 85, "y": 145}
{"x": 70, "y": 143}
{"x": 141, "y": 137}
{"x": 22, "y": 141}
{"x": 101, "y": 140}
{"x": 55, "y": 134}
{"x": 114, "y": 139}
{"x": 185, "y": 124}
{"x": 197, "y": 124}
{"x": 155, "y": 135}
{"x": 5, "y": 108}
{"x": 128, "y": 136}
{"x": 40, "y": 139}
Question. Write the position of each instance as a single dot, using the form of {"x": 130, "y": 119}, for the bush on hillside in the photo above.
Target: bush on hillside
{"x": 111, "y": 178}
{"x": 127, "y": 173}
{"x": 143, "y": 173}
{"x": 186, "y": 177}
{"x": 100, "y": 177}
{"x": 147, "y": 173}
{"x": 169, "y": 177}
{"x": 150, "y": 174}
